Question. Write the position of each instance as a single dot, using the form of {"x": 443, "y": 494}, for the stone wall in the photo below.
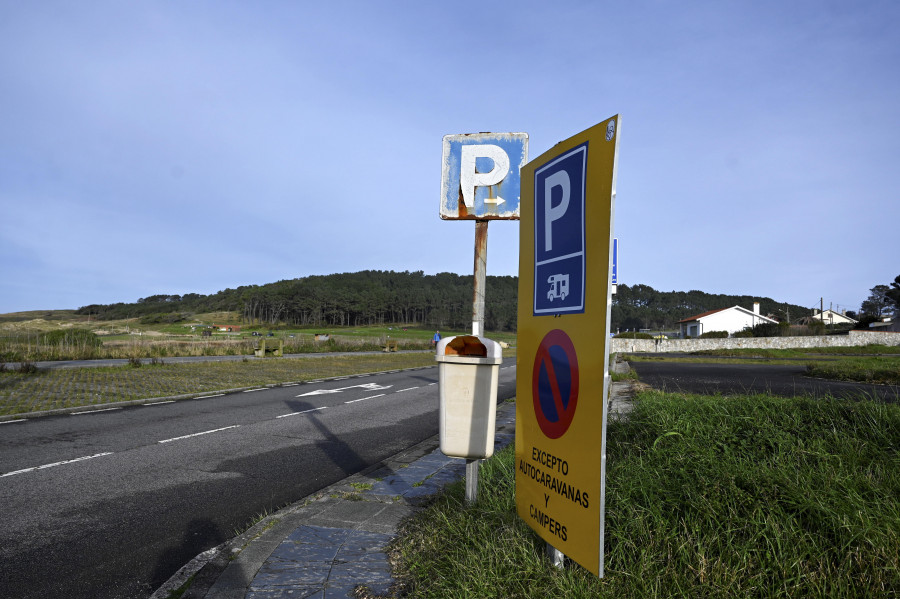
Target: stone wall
{"x": 855, "y": 338}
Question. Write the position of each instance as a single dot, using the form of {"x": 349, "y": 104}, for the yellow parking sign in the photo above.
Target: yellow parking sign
{"x": 565, "y": 263}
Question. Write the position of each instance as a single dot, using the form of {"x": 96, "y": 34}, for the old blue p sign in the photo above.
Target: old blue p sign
{"x": 559, "y": 256}
{"x": 480, "y": 175}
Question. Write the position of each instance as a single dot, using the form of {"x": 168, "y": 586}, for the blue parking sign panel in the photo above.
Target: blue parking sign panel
{"x": 480, "y": 175}
{"x": 559, "y": 234}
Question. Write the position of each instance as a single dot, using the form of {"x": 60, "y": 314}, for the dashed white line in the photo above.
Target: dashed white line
{"x": 365, "y": 398}
{"x": 159, "y": 403}
{"x": 303, "y": 412}
{"x": 260, "y": 389}
{"x": 64, "y": 462}
{"x": 14, "y": 421}
{"x": 213, "y": 395}
{"x": 430, "y": 384}
{"x": 407, "y": 389}
{"x": 95, "y": 411}
{"x": 224, "y": 428}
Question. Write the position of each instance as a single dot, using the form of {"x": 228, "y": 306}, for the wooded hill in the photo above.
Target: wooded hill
{"x": 363, "y": 298}
{"x": 643, "y": 307}
{"x": 443, "y": 300}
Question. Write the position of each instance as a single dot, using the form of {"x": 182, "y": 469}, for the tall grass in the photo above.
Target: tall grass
{"x": 706, "y": 497}
{"x": 881, "y": 370}
{"x": 34, "y": 346}
{"x": 801, "y": 352}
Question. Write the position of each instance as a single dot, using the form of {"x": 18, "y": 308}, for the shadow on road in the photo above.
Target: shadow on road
{"x": 198, "y": 533}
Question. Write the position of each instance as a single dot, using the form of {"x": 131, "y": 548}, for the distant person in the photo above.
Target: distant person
{"x": 435, "y": 339}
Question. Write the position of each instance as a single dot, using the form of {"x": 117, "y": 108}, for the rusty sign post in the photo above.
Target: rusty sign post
{"x": 480, "y": 269}
{"x": 480, "y": 182}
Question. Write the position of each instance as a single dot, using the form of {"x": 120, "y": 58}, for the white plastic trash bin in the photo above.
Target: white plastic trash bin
{"x": 468, "y": 372}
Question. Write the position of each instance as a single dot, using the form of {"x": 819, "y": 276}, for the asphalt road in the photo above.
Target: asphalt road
{"x": 109, "y": 504}
{"x": 776, "y": 379}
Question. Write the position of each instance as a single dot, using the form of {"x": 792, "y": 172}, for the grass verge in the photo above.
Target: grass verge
{"x": 802, "y": 353}
{"x": 881, "y": 370}
{"x": 42, "y": 390}
{"x": 753, "y": 496}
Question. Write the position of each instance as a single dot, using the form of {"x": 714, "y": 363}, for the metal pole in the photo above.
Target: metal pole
{"x": 481, "y": 228}
{"x": 557, "y": 557}
{"x": 471, "y": 481}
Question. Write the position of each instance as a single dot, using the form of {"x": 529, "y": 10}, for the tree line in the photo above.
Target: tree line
{"x": 639, "y": 307}
{"x": 883, "y": 300}
{"x": 442, "y": 300}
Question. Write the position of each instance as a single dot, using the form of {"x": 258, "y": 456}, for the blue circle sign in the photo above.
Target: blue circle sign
{"x": 554, "y": 383}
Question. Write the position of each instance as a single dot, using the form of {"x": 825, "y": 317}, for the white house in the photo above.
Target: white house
{"x": 830, "y": 317}
{"x": 731, "y": 320}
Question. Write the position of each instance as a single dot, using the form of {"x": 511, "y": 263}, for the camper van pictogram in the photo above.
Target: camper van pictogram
{"x": 559, "y": 287}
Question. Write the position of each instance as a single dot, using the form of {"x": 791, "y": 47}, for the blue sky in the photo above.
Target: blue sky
{"x": 151, "y": 147}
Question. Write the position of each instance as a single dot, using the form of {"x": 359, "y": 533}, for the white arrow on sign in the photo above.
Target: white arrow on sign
{"x": 370, "y": 386}
{"x": 469, "y": 179}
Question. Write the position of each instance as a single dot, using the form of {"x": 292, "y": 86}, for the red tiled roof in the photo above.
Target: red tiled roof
{"x": 699, "y": 316}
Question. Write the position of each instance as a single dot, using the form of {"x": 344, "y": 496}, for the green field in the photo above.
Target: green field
{"x": 803, "y": 353}
{"x": 752, "y": 496}
{"x": 78, "y": 387}
{"x": 883, "y": 370}
{"x": 875, "y": 364}
{"x": 24, "y": 337}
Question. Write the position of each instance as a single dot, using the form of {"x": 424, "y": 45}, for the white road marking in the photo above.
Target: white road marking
{"x": 260, "y": 389}
{"x": 208, "y": 396}
{"x": 88, "y": 457}
{"x": 303, "y": 412}
{"x": 290, "y": 384}
{"x": 365, "y": 398}
{"x": 224, "y": 428}
{"x": 95, "y": 411}
{"x": 430, "y": 384}
{"x": 159, "y": 403}
{"x": 407, "y": 389}
{"x": 369, "y": 386}
{"x": 14, "y": 421}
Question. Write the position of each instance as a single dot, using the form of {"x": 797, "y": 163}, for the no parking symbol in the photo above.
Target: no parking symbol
{"x": 555, "y": 383}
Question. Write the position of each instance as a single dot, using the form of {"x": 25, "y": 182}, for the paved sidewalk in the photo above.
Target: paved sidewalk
{"x": 336, "y": 541}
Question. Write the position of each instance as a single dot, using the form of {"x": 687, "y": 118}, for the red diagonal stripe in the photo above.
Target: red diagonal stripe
{"x": 554, "y": 385}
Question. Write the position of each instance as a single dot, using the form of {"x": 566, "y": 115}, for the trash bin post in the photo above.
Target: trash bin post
{"x": 469, "y": 374}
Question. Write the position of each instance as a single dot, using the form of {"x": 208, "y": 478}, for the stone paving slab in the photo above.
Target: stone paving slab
{"x": 316, "y": 561}
{"x": 342, "y": 543}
